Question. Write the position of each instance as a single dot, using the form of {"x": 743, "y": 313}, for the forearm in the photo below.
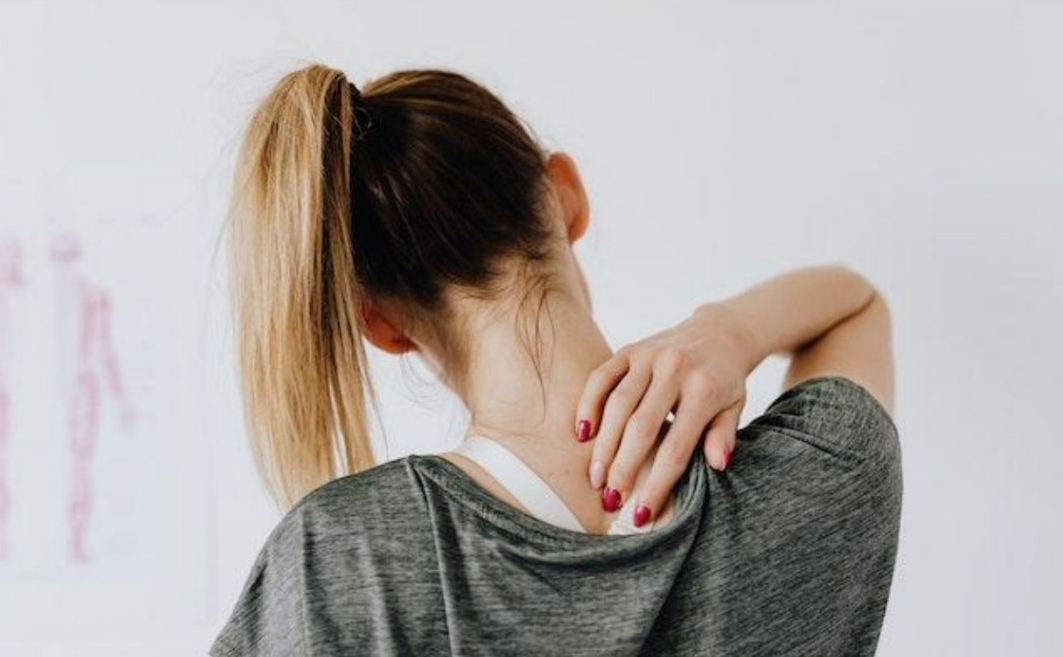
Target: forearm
{"x": 788, "y": 311}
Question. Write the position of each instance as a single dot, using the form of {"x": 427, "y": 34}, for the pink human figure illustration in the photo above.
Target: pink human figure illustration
{"x": 10, "y": 278}
{"x": 88, "y": 359}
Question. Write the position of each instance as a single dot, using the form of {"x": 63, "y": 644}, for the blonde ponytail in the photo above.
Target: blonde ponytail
{"x": 296, "y": 299}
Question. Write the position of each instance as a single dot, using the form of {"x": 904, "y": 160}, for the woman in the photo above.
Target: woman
{"x": 421, "y": 215}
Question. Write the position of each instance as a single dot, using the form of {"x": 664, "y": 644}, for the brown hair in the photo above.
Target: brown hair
{"x": 443, "y": 183}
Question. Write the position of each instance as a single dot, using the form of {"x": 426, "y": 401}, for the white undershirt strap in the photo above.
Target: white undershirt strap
{"x": 537, "y": 496}
{"x": 520, "y": 480}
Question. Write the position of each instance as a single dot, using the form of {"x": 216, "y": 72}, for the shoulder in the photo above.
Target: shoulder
{"x": 825, "y": 456}
{"x": 360, "y": 496}
{"x": 835, "y": 414}
{"x": 327, "y": 533}
{"x": 828, "y": 439}
{"x": 353, "y": 504}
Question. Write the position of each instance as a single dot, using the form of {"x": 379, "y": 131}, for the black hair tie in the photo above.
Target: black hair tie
{"x": 361, "y": 118}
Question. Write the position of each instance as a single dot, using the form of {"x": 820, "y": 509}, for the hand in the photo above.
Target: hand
{"x": 697, "y": 370}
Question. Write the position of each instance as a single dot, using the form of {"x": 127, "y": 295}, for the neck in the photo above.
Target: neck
{"x": 534, "y": 419}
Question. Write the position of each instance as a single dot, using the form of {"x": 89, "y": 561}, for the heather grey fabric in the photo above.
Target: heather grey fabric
{"x": 790, "y": 551}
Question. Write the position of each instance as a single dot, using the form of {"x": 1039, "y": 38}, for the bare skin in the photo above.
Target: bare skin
{"x": 828, "y": 319}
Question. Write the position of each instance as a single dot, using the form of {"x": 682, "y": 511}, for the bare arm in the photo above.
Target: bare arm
{"x": 829, "y": 319}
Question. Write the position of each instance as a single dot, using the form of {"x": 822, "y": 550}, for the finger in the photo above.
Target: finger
{"x": 721, "y": 436}
{"x": 618, "y": 408}
{"x": 601, "y": 381}
{"x": 671, "y": 458}
{"x": 641, "y": 433}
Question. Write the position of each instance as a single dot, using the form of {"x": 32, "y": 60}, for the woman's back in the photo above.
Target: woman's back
{"x": 789, "y": 551}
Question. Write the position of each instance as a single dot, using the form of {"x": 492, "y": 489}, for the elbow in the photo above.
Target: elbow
{"x": 860, "y": 289}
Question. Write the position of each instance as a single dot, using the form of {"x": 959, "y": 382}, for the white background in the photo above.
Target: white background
{"x": 920, "y": 143}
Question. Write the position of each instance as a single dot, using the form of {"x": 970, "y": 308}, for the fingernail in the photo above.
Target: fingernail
{"x": 611, "y": 499}
{"x": 726, "y": 458}
{"x": 642, "y": 514}
{"x": 584, "y": 431}
{"x": 597, "y": 474}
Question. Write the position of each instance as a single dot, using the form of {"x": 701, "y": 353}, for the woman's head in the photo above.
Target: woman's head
{"x": 404, "y": 212}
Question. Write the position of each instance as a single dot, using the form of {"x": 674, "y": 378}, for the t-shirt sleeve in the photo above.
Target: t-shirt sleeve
{"x": 835, "y": 414}
{"x": 818, "y": 488}
{"x": 268, "y": 617}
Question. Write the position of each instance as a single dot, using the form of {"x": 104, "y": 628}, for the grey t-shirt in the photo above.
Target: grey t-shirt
{"x": 790, "y": 551}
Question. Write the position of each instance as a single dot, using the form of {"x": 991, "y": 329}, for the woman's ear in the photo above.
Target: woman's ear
{"x": 382, "y": 333}
{"x": 564, "y": 177}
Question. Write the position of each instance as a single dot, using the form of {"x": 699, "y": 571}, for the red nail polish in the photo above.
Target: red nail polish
{"x": 610, "y": 499}
{"x": 642, "y": 514}
{"x": 584, "y": 431}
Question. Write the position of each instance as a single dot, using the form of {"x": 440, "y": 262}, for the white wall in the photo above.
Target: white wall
{"x": 722, "y": 143}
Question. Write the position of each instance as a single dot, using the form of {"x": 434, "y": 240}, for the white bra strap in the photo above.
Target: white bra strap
{"x": 520, "y": 480}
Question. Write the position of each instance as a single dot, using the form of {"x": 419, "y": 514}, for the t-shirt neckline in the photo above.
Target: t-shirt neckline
{"x": 690, "y": 498}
